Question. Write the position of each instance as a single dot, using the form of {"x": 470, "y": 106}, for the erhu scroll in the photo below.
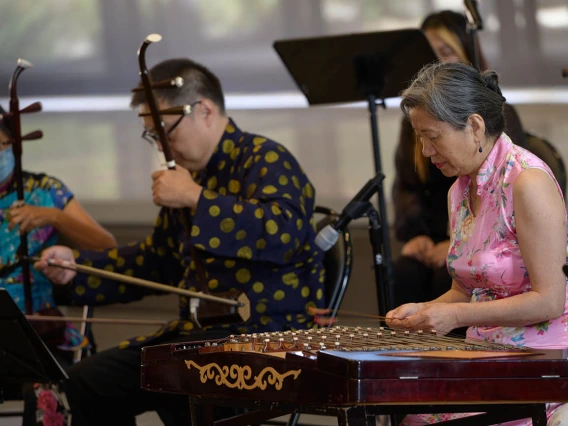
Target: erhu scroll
{"x": 13, "y": 121}
{"x": 148, "y": 86}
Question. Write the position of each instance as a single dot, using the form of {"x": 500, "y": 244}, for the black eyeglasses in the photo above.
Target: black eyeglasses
{"x": 152, "y": 137}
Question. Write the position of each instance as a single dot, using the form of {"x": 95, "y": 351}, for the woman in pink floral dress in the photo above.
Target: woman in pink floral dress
{"x": 508, "y": 223}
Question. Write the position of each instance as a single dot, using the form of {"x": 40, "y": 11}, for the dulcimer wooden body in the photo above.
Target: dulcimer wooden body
{"x": 347, "y": 366}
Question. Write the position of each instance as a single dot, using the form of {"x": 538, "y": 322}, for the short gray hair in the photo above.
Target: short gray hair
{"x": 199, "y": 82}
{"x": 452, "y": 92}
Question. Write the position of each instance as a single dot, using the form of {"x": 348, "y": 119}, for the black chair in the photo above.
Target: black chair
{"x": 338, "y": 262}
{"x": 550, "y": 155}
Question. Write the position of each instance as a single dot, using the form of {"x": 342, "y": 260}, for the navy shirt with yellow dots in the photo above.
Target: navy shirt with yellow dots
{"x": 252, "y": 230}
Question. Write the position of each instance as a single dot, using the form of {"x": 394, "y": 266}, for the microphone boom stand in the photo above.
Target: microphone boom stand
{"x": 376, "y": 236}
{"x": 370, "y": 72}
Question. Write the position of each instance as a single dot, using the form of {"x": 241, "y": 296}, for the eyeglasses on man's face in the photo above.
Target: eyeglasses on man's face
{"x": 152, "y": 136}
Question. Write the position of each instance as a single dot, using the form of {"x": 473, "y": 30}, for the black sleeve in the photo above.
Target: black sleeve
{"x": 157, "y": 259}
{"x": 408, "y": 190}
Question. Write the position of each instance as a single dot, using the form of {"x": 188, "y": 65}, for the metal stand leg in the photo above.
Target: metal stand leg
{"x": 293, "y": 419}
{"x": 539, "y": 415}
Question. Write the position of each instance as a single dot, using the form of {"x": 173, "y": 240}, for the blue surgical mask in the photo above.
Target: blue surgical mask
{"x": 7, "y": 163}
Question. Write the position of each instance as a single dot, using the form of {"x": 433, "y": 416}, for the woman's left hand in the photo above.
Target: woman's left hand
{"x": 441, "y": 317}
{"x": 31, "y": 217}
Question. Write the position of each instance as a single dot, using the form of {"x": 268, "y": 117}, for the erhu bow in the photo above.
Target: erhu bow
{"x": 14, "y": 124}
{"x": 237, "y": 306}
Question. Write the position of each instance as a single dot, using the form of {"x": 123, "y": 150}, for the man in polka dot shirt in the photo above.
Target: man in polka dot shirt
{"x": 251, "y": 228}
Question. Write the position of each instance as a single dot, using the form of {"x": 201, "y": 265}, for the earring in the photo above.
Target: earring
{"x": 480, "y": 150}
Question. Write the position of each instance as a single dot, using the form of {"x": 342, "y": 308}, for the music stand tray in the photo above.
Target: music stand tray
{"x": 345, "y": 68}
{"x": 23, "y": 355}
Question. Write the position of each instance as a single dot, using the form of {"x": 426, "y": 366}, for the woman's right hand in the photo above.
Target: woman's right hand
{"x": 417, "y": 247}
{"x": 396, "y": 317}
{"x": 59, "y": 255}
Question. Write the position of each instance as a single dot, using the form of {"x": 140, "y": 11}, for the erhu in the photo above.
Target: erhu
{"x": 230, "y": 307}
{"x": 237, "y": 307}
{"x": 214, "y": 313}
{"x": 13, "y": 120}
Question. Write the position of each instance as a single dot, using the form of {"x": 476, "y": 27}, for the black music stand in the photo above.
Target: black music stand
{"x": 23, "y": 355}
{"x": 360, "y": 67}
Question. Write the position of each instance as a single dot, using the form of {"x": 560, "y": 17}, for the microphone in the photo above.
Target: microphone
{"x": 357, "y": 207}
{"x": 473, "y": 15}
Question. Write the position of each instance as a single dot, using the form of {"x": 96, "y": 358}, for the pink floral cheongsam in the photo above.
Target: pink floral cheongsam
{"x": 484, "y": 255}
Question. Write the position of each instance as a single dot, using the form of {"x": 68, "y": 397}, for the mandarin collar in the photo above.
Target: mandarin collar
{"x": 488, "y": 172}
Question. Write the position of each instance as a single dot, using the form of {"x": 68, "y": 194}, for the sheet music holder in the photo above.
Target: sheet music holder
{"x": 356, "y": 67}
{"x": 23, "y": 355}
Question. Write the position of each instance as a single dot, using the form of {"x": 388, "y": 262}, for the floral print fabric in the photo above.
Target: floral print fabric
{"x": 485, "y": 258}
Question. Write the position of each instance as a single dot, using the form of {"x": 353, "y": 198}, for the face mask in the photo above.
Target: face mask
{"x": 7, "y": 163}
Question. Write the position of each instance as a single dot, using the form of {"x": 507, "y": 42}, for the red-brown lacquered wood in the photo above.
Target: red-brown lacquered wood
{"x": 344, "y": 378}
{"x": 368, "y": 365}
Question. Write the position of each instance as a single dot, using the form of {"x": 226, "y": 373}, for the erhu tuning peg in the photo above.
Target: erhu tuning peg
{"x": 37, "y": 134}
{"x": 35, "y": 107}
{"x": 164, "y": 84}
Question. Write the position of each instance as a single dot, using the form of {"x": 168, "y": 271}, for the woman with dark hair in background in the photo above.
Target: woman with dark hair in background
{"x": 420, "y": 190}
